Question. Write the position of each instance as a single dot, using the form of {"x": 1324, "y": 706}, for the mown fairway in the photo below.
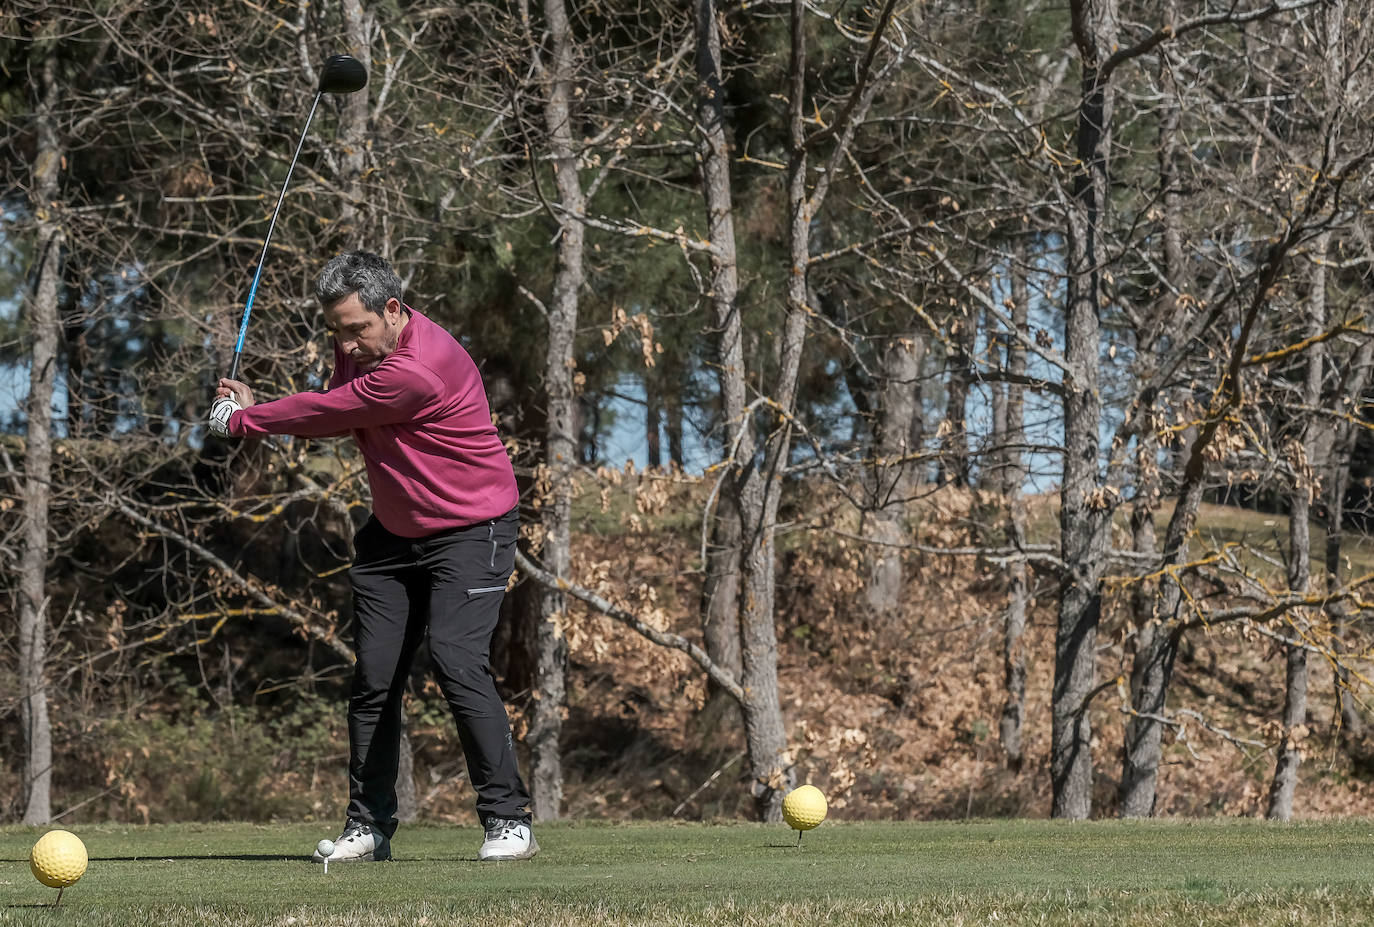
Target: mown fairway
{"x": 1233, "y": 872}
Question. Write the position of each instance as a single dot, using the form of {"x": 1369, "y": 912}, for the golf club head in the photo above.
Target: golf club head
{"x": 342, "y": 74}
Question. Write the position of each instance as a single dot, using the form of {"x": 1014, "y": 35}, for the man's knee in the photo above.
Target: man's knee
{"x": 372, "y": 684}
{"x": 469, "y": 687}
{"x": 457, "y": 657}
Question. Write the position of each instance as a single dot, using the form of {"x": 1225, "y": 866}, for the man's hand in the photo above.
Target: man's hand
{"x": 235, "y": 390}
{"x": 220, "y": 410}
{"x": 230, "y": 396}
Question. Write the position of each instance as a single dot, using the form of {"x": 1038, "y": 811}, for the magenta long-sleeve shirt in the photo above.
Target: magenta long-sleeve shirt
{"x": 421, "y": 419}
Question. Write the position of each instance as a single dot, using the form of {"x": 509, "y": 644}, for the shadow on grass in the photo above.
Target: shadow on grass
{"x": 205, "y": 857}
{"x": 245, "y": 858}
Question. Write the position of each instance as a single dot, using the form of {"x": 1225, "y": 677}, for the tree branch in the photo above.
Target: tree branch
{"x": 1169, "y": 31}
{"x": 249, "y": 585}
{"x": 718, "y": 674}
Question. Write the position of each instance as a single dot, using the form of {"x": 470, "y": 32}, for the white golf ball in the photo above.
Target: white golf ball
{"x": 325, "y": 848}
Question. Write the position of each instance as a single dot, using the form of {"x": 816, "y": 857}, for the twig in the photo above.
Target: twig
{"x": 705, "y": 785}
{"x": 1202, "y": 722}
{"x": 246, "y": 583}
{"x": 717, "y": 673}
{"x": 82, "y": 804}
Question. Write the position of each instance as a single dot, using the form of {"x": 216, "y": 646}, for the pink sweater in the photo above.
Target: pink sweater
{"x": 421, "y": 419}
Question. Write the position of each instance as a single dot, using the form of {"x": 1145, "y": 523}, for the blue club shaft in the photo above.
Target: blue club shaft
{"x": 253, "y": 290}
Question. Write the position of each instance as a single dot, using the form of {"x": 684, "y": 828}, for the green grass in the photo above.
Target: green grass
{"x": 1262, "y": 535}
{"x": 1101, "y": 873}
{"x": 1268, "y": 533}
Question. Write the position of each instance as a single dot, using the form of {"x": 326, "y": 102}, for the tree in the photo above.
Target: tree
{"x": 895, "y": 472}
{"x": 1302, "y": 454}
{"x": 1086, "y": 504}
{"x": 560, "y": 441}
{"x": 760, "y": 459}
{"x": 38, "y": 468}
{"x": 1135, "y": 793}
{"x": 1009, "y": 417}
{"x": 1295, "y": 215}
{"x": 720, "y": 587}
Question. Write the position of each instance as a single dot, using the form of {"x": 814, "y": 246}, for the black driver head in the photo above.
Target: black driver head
{"x": 342, "y": 74}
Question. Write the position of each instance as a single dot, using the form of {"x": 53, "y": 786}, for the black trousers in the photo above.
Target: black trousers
{"x": 450, "y": 586}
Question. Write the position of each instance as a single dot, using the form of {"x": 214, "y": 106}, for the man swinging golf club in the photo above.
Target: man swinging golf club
{"x": 434, "y": 557}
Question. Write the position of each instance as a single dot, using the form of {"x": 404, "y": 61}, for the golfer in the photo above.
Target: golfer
{"x": 433, "y": 558}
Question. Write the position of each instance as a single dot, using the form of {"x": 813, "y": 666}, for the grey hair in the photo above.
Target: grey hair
{"x": 361, "y": 272}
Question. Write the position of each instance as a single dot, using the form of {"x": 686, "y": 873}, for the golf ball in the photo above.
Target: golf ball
{"x": 58, "y": 859}
{"x": 804, "y": 807}
{"x": 325, "y": 848}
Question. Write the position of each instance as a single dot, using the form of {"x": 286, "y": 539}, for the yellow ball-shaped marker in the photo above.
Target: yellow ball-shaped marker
{"x": 804, "y": 807}
{"x": 58, "y": 859}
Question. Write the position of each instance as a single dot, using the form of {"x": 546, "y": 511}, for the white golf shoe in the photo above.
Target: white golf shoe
{"x": 359, "y": 842}
{"x": 507, "y": 839}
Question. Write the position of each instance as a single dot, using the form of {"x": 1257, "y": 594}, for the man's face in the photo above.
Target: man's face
{"x": 364, "y": 336}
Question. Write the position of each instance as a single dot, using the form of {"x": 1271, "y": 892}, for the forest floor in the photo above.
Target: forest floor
{"x": 956, "y": 873}
{"x": 895, "y": 716}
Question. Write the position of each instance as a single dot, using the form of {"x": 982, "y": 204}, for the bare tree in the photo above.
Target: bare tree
{"x": 1085, "y": 510}
{"x": 720, "y": 586}
{"x": 1136, "y": 793}
{"x": 1314, "y": 440}
{"x": 561, "y": 435}
{"x": 1085, "y": 502}
{"x": 557, "y": 75}
{"x": 894, "y": 474}
{"x": 1251, "y": 288}
{"x": 1335, "y": 484}
{"x": 38, "y": 468}
{"x": 761, "y": 460}
{"x": 1302, "y": 453}
{"x": 1010, "y": 420}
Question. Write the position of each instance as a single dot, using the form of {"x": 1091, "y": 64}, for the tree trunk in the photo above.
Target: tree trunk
{"x": 672, "y": 426}
{"x": 1285, "y": 784}
{"x": 1152, "y": 660}
{"x": 357, "y": 221}
{"x": 1334, "y": 488}
{"x": 1013, "y": 716}
{"x": 407, "y": 797}
{"x": 1305, "y": 466}
{"x": 653, "y": 422}
{"x": 1356, "y": 379}
{"x": 760, "y": 482}
{"x": 721, "y": 589}
{"x": 1085, "y": 507}
{"x": 44, "y": 331}
{"x": 894, "y": 473}
{"x": 560, "y": 440}
{"x": 720, "y": 608}
{"x": 1152, "y": 668}
{"x": 954, "y": 456}
{"x": 765, "y": 736}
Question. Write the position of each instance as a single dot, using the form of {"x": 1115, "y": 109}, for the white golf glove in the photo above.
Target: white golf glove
{"x": 220, "y": 410}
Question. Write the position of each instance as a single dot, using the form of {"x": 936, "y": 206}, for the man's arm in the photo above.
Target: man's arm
{"x": 385, "y": 396}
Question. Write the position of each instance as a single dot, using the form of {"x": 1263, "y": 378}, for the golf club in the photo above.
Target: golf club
{"x": 340, "y": 74}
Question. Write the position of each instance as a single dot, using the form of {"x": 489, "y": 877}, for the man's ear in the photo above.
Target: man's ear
{"x": 393, "y": 306}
